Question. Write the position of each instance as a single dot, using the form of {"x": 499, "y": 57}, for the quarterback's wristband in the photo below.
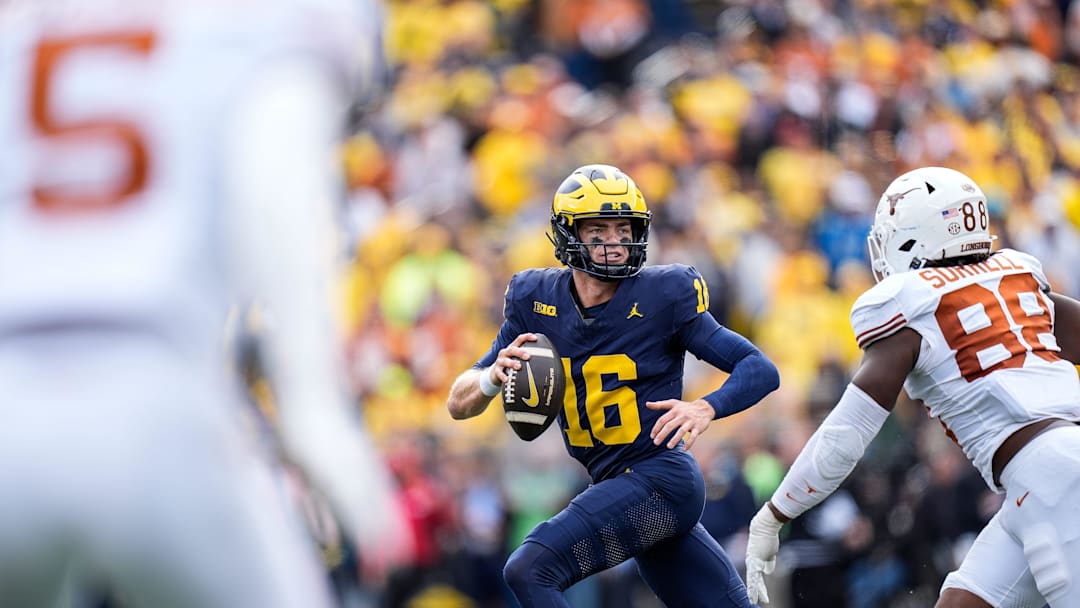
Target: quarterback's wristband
{"x": 489, "y": 388}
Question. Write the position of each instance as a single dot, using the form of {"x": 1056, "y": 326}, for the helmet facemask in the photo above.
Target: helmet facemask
{"x": 876, "y": 241}
{"x": 577, "y": 254}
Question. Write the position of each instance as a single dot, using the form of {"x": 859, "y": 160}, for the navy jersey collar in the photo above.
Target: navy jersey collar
{"x": 595, "y": 313}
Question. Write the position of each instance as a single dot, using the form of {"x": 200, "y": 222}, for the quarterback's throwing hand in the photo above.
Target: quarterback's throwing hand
{"x": 761, "y": 548}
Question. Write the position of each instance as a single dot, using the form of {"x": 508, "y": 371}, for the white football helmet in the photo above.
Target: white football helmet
{"x": 928, "y": 214}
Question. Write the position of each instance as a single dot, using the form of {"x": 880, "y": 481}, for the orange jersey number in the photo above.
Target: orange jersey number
{"x": 51, "y": 53}
{"x": 1033, "y": 319}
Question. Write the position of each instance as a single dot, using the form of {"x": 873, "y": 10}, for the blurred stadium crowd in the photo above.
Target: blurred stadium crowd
{"x": 761, "y": 134}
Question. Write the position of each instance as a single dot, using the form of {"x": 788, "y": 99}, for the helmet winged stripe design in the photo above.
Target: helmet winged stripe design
{"x": 598, "y": 191}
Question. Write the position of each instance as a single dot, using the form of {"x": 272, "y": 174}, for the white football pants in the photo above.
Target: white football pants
{"x": 1028, "y": 556}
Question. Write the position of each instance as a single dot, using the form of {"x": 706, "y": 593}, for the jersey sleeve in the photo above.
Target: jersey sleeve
{"x": 1031, "y": 262}
{"x": 688, "y": 295}
{"x": 511, "y": 326}
{"x": 878, "y": 313}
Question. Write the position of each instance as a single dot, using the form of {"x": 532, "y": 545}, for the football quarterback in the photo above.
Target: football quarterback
{"x": 622, "y": 329}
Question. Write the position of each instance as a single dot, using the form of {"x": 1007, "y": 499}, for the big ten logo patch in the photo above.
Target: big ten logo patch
{"x": 547, "y": 310}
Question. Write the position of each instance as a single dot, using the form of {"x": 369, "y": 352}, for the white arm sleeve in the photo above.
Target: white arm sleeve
{"x": 831, "y": 454}
{"x": 281, "y": 183}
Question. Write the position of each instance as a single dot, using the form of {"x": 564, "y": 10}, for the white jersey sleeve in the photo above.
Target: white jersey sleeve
{"x": 1032, "y": 265}
{"x": 877, "y": 313}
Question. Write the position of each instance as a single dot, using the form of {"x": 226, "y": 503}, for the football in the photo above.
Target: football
{"x": 533, "y": 395}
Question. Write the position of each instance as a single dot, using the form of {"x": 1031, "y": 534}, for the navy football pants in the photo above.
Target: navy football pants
{"x": 650, "y": 512}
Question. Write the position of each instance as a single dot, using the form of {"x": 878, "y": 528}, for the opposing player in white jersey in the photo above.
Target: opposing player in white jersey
{"x": 161, "y": 160}
{"x": 984, "y": 343}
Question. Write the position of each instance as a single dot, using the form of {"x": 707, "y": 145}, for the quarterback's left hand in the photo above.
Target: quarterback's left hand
{"x": 683, "y": 419}
{"x": 761, "y": 547}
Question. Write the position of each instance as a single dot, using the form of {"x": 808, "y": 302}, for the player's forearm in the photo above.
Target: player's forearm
{"x": 466, "y": 399}
{"x": 753, "y": 377}
{"x": 280, "y": 231}
{"x": 831, "y": 453}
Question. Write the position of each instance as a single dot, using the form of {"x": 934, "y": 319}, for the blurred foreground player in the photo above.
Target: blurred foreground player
{"x": 981, "y": 339}
{"x": 160, "y": 160}
{"x": 623, "y": 330}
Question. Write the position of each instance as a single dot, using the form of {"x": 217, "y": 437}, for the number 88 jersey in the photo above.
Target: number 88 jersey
{"x": 988, "y": 363}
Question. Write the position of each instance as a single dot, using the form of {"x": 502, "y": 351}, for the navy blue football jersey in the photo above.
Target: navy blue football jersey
{"x": 630, "y": 352}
